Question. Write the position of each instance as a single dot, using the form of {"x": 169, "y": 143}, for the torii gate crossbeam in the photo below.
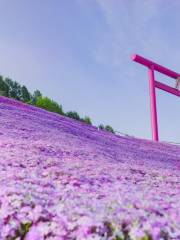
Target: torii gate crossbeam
{"x": 153, "y": 84}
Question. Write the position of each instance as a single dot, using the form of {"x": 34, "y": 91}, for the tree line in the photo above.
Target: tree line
{"x": 13, "y": 89}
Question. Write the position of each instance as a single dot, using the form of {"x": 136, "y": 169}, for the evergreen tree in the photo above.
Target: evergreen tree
{"x": 25, "y": 94}
{"x": 14, "y": 88}
{"x": 4, "y": 89}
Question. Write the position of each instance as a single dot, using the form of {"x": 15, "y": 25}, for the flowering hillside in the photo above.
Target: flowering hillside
{"x": 63, "y": 179}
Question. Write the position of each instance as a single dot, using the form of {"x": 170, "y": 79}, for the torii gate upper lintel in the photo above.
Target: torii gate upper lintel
{"x": 153, "y": 84}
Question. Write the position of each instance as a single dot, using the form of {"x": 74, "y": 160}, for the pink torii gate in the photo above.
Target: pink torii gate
{"x": 153, "y": 84}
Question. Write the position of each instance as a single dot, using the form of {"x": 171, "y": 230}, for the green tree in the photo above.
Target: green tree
{"x": 87, "y": 120}
{"x": 14, "y": 88}
{"x": 35, "y": 96}
{"x": 73, "y": 114}
{"x": 25, "y": 94}
{"x": 4, "y": 89}
{"x": 48, "y": 104}
{"x": 109, "y": 129}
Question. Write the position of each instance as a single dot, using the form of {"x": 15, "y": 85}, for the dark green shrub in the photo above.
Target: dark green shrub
{"x": 109, "y": 129}
{"x": 73, "y": 114}
{"x": 106, "y": 128}
{"x": 87, "y": 120}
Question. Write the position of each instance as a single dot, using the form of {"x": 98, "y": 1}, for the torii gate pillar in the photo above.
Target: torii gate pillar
{"x": 153, "y": 84}
{"x": 152, "y": 94}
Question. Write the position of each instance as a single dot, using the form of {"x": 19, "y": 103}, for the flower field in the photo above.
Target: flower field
{"x": 63, "y": 179}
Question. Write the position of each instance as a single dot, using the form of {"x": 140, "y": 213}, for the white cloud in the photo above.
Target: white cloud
{"x": 131, "y": 27}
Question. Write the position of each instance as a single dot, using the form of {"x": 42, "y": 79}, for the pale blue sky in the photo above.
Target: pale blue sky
{"x": 78, "y": 53}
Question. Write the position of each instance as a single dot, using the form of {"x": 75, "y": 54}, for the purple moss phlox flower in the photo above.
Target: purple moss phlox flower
{"x": 62, "y": 179}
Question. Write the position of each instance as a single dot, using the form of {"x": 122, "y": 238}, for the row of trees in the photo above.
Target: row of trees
{"x": 13, "y": 89}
